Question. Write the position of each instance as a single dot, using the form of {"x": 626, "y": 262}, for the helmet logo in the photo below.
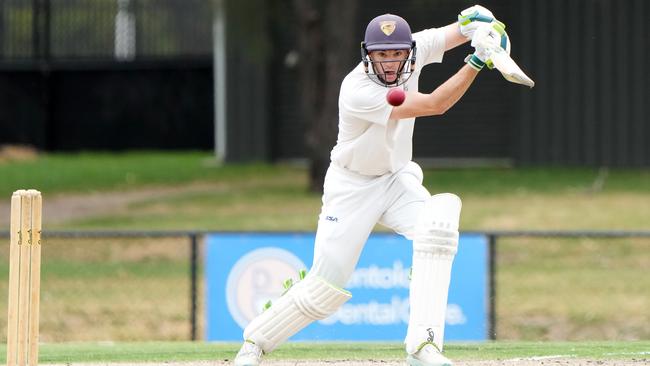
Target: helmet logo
{"x": 387, "y": 26}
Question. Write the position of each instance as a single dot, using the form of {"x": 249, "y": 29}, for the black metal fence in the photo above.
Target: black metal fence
{"x": 107, "y": 105}
{"x": 116, "y": 285}
{"x": 139, "y": 251}
{"x": 106, "y": 74}
{"x": 495, "y": 236}
{"x": 104, "y": 29}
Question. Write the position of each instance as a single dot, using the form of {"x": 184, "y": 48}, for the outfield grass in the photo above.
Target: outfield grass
{"x": 55, "y": 173}
{"x": 198, "y": 351}
{"x": 550, "y": 289}
{"x": 274, "y": 197}
{"x": 87, "y": 172}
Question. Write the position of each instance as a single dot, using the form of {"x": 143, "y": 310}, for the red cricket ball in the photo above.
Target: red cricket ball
{"x": 395, "y": 96}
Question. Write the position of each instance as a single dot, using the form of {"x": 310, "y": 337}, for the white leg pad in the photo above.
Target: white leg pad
{"x": 434, "y": 248}
{"x": 311, "y": 299}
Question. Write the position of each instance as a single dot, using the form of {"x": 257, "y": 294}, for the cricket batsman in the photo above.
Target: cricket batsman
{"x": 371, "y": 179}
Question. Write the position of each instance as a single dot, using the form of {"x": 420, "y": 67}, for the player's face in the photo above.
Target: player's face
{"x": 389, "y": 63}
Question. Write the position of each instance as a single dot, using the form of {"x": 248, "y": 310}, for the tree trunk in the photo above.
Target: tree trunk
{"x": 326, "y": 36}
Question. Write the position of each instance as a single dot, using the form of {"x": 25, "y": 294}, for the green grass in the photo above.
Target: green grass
{"x": 55, "y": 173}
{"x": 86, "y": 172}
{"x": 186, "y": 351}
{"x": 274, "y": 197}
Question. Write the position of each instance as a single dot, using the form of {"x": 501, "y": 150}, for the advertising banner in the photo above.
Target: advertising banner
{"x": 245, "y": 270}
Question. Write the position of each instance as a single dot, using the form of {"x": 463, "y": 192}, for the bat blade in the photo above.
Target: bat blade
{"x": 509, "y": 68}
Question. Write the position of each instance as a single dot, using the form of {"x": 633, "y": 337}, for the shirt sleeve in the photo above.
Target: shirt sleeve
{"x": 365, "y": 101}
{"x": 430, "y": 45}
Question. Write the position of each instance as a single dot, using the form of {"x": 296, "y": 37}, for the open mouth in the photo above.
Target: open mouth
{"x": 390, "y": 75}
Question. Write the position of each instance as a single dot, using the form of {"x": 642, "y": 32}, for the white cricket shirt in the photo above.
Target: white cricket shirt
{"x": 368, "y": 142}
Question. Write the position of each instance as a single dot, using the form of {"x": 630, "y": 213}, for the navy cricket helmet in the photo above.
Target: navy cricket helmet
{"x": 388, "y": 32}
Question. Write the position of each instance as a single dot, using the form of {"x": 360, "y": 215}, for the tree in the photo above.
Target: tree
{"x": 325, "y": 37}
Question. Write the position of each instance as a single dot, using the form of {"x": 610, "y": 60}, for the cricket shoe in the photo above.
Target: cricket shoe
{"x": 250, "y": 354}
{"x": 428, "y": 355}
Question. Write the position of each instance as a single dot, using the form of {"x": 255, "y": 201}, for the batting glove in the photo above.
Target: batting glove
{"x": 486, "y": 39}
{"x": 471, "y": 18}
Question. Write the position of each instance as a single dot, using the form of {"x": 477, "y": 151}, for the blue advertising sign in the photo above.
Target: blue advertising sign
{"x": 245, "y": 270}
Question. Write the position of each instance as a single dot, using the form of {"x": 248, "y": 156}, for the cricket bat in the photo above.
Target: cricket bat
{"x": 509, "y": 68}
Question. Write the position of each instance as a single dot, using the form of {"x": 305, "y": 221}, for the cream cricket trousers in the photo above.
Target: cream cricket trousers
{"x": 352, "y": 205}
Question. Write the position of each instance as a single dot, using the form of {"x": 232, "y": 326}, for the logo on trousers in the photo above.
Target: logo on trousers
{"x": 332, "y": 218}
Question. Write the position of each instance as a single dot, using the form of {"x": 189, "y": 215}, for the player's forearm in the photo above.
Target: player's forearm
{"x": 448, "y": 94}
{"x": 438, "y": 101}
{"x": 453, "y": 36}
